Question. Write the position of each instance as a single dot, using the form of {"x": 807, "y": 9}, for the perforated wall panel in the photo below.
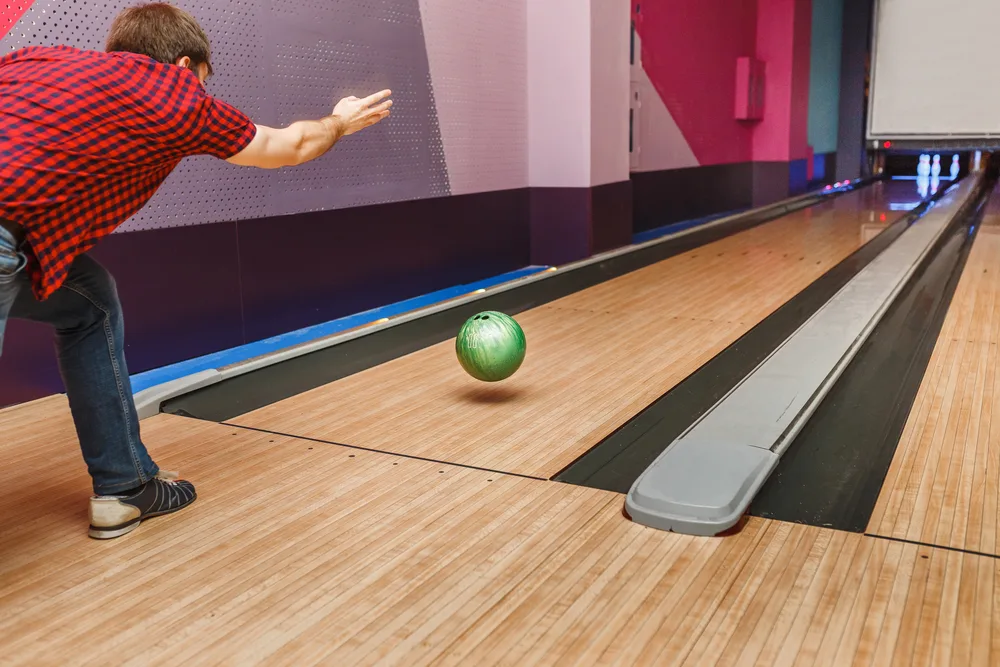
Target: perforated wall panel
{"x": 401, "y": 159}
{"x": 479, "y": 66}
{"x": 281, "y": 61}
{"x": 10, "y": 12}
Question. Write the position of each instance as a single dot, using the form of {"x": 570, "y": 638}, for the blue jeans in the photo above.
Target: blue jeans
{"x": 89, "y": 335}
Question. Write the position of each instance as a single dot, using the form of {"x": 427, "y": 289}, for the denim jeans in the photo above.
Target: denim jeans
{"x": 89, "y": 336}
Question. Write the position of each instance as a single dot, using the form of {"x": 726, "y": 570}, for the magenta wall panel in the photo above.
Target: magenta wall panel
{"x": 801, "y": 70}
{"x": 774, "y": 46}
{"x": 689, "y": 50}
{"x": 784, "y": 29}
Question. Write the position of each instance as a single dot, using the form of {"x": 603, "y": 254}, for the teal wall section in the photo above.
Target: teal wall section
{"x": 824, "y": 74}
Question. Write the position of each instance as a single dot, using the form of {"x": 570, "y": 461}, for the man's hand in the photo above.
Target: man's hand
{"x": 307, "y": 140}
{"x": 357, "y": 114}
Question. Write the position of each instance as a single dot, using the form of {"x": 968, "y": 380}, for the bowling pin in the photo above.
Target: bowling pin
{"x": 936, "y": 166}
{"x": 954, "y": 167}
{"x": 924, "y": 166}
{"x": 923, "y": 182}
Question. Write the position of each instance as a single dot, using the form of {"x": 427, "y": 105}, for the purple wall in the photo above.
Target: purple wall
{"x": 302, "y": 270}
{"x": 190, "y": 291}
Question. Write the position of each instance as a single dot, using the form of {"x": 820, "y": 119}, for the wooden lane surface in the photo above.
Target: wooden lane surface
{"x": 943, "y": 486}
{"x": 595, "y": 358}
{"x": 300, "y": 553}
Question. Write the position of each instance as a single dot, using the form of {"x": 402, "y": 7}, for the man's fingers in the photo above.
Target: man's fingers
{"x": 377, "y": 97}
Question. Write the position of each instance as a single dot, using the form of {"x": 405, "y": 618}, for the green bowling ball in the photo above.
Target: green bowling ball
{"x": 490, "y": 346}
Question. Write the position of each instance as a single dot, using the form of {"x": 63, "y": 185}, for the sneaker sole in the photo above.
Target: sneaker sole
{"x": 112, "y": 532}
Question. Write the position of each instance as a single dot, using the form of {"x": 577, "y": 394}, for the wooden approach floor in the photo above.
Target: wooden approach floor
{"x": 595, "y": 358}
{"x": 301, "y": 552}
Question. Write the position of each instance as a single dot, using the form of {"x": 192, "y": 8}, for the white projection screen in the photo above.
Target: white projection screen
{"x": 934, "y": 74}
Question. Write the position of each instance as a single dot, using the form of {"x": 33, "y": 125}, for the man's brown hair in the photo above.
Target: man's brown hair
{"x": 160, "y": 31}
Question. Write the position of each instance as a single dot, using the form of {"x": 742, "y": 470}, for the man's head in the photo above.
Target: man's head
{"x": 165, "y": 34}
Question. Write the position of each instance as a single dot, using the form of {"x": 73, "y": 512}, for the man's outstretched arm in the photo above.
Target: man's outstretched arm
{"x": 307, "y": 140}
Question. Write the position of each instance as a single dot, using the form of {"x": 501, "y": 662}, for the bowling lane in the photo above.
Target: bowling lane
{"x": 943, "y": 486}
{"x": 595, "y": 358}
{"x": 731, "y": 280}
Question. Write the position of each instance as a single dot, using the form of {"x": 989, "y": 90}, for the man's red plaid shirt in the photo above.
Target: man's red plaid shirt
{"x": 87, "y": 137}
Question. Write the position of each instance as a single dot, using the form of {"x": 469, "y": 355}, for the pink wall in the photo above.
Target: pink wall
{"x": 774, "y": 46}
{"x": 558, "y": 93}
{"x": 578, "y": 92}
{"x": 479, "y": 72}
{"x": 801, "y": 70}
{"x": 689, "y": 50}
{"x": 609, "y": 91}
{"x": 784, "y": 28}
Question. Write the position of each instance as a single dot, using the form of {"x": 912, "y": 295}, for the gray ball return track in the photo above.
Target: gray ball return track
{"x": 706, "y": 479}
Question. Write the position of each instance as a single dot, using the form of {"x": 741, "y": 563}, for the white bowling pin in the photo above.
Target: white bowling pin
{"x": 936, "y": 166}
{"x": 924, "y": 166}
{"x": 954, "y": 167}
